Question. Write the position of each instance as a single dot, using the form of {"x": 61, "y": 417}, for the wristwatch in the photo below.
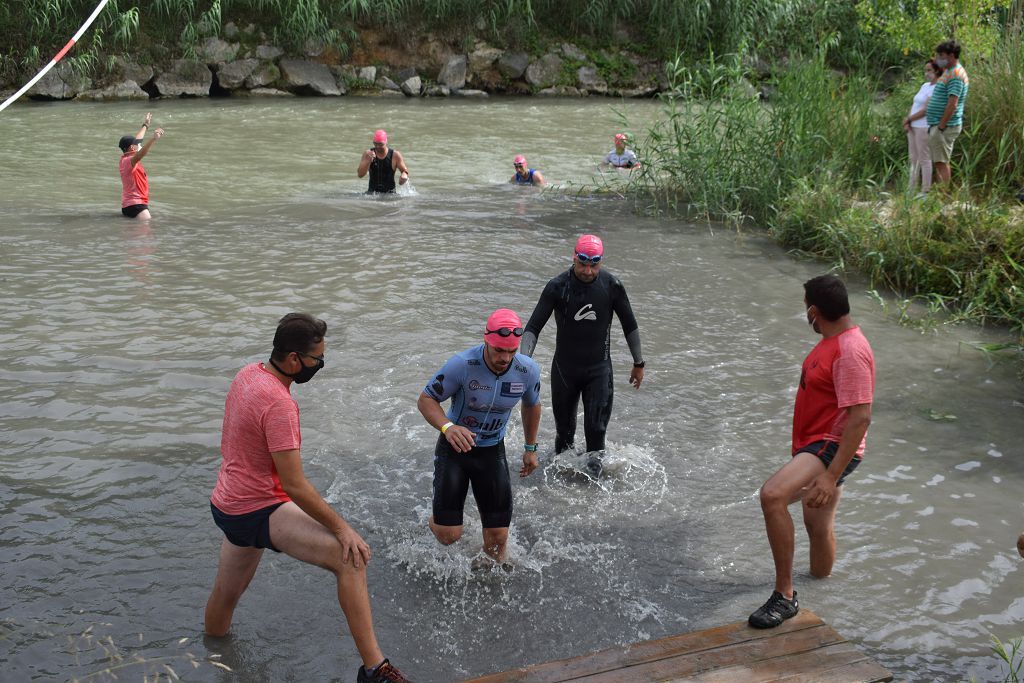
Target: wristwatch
{"x": 640, "y": 364}
{"x": 530, "y": 447}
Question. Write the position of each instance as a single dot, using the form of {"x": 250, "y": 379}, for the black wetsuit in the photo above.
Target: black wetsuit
{"x": 382, "y": 174}
{"x": 582, "y": 362}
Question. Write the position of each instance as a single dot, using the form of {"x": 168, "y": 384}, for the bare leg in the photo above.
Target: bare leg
{"x": 299, "y": 535}
{"x": 143, "y": 215}
{"x": 495, "y": 541}
{"x": 915, "y": 163}
{"x": 235, "y": 571}
{"x": 445, "y": 534}
{"x": 942, "y": 172}
{"x": 783, "y": 488}
{"x": 820, "y": 525}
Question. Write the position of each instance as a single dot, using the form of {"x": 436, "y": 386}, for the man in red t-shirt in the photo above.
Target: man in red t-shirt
{"x": 263, "y": 500}
{"x": 830, "y": 422}
{"x": 134, "y": 181}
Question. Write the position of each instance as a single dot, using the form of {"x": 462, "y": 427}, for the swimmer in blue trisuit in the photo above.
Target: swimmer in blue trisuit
{"x": 484, "y": 383}
{"x": 620, "y": 157}
{"x": 525, "y": 175}
{"x": 583, "y": 299}
{"x": 382, "y": 163}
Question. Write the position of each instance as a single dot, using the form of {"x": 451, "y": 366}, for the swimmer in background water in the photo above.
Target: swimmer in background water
{"x": 525, "y": 175}
{"x": 134, "y": 182}
{"x": 620, "y": 157}
{"x": 382, "y": 163}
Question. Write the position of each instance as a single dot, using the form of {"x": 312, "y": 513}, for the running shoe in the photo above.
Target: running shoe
{"x": 594, "y": 466}
{"x": 384, "y": 673}
{"x": 775, "y": 611}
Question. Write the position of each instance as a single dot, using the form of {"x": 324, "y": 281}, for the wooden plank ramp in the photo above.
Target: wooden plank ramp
{"x": 802, "y": 649}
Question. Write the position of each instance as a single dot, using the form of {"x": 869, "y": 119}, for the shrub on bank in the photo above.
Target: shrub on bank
{"x": 969, "y": 255}
{"x": 824, "y": 168}
{"x": 35, "y": 29}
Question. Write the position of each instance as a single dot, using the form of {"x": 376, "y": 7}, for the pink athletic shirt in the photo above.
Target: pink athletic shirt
{"x": 260, "y": 418}
{"x": 134, "y": 182}
{"x": 838, "y": 373}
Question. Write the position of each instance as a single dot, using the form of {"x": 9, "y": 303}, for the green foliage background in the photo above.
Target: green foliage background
{"x": 33, "y": 30}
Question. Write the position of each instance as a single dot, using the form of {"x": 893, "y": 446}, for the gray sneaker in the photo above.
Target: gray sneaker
{"x": 775, "y": 611}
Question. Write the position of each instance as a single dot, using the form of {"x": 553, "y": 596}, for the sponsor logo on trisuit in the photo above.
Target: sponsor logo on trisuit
{"x": 585, "y": 313}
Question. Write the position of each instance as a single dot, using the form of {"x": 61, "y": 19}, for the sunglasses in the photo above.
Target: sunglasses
{"x": 506, "y": 331}
{"x": 519, "y": 165}
{"x": 588, "y": 260}
{"x": 319, "y": 359}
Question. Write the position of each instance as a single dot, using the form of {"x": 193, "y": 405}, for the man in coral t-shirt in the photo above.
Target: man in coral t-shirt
{"x": 830, "y": 422}
{"x": 134, "y": 181}
{"x": 263, "y": 500}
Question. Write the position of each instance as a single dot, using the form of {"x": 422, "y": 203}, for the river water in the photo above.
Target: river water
{"x": 120, "y": 339}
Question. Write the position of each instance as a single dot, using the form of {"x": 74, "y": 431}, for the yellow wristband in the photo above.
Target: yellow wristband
{"x": 445, "y": 427}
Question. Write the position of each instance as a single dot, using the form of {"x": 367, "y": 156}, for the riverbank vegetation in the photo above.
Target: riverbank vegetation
{"x": 34, "y": 30}
{"x": 823, "y": 165}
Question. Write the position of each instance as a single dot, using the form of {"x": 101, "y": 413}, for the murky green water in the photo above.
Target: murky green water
{"x": 120, "y": 339}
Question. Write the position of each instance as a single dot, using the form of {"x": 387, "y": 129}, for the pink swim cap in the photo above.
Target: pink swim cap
{"x": 380, "y": 136}
{"x": 620, "y": 136}
{"x": 520, "y": 159}
{"x": 503, "y": 318}
{"x": 591, "y": 245}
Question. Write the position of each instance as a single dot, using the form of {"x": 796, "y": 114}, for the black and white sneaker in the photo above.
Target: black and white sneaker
{"x": 775, "y": 611}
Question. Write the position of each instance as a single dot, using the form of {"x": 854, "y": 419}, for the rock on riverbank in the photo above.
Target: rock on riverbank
{"x": 426, "y": 67}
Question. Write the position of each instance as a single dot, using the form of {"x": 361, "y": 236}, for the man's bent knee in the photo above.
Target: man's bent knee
{"x": 772, "y": 496}
{"x": 495, "y": 539}
{"x": 445, "y": 535}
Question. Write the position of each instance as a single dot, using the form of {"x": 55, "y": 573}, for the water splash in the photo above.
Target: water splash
{"x": 631, "y": 479}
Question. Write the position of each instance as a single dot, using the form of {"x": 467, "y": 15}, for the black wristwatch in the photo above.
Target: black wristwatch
{"x": 640, "y": 364}
{"x": 941, "y": 129}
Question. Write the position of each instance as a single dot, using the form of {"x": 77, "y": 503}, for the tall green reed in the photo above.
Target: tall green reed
{"x": 813, "y": 164}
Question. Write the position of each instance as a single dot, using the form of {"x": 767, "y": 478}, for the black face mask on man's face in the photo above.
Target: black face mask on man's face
{"x": 303, "y": 375}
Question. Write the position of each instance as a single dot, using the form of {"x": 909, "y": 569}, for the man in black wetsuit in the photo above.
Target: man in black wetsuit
{"x": 583, "y": 299}
{"x": 382, "y": 163}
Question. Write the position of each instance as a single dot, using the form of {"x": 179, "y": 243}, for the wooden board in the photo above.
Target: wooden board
{"x": 801, "y": 649}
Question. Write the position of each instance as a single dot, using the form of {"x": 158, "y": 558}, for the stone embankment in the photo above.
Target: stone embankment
{"x": 241, "y": 63}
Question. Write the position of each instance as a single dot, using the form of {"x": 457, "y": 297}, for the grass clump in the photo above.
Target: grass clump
{"x": 823, "y": 166}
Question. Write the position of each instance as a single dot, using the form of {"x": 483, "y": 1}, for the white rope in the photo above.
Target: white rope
{"x": 74, "y": 39}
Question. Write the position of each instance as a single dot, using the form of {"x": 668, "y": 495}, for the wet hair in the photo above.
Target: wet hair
{"x": 950, "y": 47}
{"x": 827, "y": 293}
{"x": 297, "y": 332}
{"x": 935, "y": 67}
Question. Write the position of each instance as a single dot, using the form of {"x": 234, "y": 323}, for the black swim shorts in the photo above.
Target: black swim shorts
{"x": 826, "y": 452}
{"x": 486, "y": 469}
{"x": 134, "y": 210}
{"x": 251, "y": 530}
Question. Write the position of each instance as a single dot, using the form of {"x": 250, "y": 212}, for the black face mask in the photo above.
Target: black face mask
{"x": 303, "y": 375}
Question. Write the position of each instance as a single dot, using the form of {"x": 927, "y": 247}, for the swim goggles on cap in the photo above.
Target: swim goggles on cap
{"x": 588, "y": 260}
{"x": 506, "y": 331}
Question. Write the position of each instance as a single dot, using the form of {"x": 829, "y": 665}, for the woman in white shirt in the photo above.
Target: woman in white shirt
{"x": 917, "y": 130}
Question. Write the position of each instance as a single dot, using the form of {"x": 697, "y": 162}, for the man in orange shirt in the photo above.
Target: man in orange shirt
{"x": 830, "y": 422}
{"x": 263, "y": 500}
{"x": 134, "y": 183}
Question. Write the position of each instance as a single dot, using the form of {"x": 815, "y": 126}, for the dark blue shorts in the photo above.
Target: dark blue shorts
{"x": 486, "y": 469}
{"x": 251, "y": 530}
{"x": 826, "y": 452}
